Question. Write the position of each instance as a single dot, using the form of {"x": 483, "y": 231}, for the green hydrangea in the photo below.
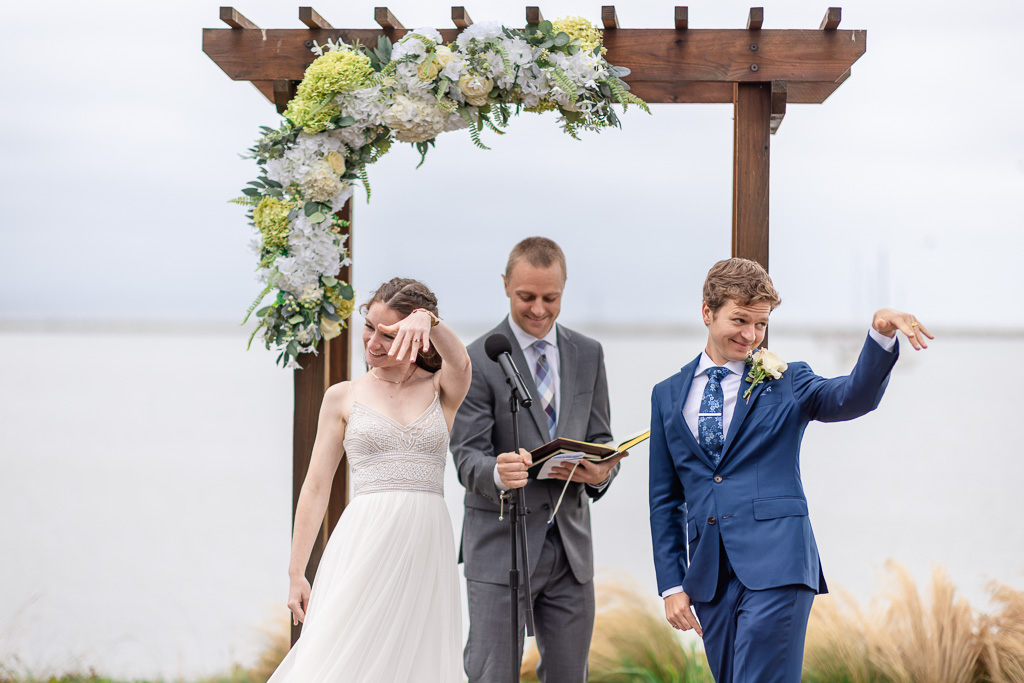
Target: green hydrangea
{"x": 578, "y": 27}
{"x": 334, "y": 72}
{"x": 310, "y": 115}
{"x": 271, "y": 217}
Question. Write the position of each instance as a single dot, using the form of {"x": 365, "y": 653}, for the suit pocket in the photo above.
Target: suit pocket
{"x": 691, "y": 530}
{"x": 770, "y": 398}
{"x": 780, "y": 506}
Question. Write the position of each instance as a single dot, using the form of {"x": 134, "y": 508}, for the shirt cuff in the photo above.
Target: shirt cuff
{"x": 887, "y": 343}
{"x": 498, "y": 483}
{"x": 602, "y": 486}
{"x": 671, "y": 591}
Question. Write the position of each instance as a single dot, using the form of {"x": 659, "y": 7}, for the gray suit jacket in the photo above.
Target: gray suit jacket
{"x": 483, "y": 429}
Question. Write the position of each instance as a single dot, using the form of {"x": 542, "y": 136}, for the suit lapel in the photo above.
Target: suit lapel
{"x": 568, "y": 361}
{"x": 686, "y": 376}
{"x": 539, "y": 418}
{"x": 740, "y": 413}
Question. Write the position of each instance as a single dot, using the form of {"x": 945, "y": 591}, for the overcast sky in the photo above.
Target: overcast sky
{"x": 904, "y": 188}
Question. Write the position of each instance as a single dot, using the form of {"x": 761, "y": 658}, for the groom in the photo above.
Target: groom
{"x": 729, "y": 520}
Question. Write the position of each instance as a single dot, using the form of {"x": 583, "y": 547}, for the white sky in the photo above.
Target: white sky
{"x": 903, "y": 189}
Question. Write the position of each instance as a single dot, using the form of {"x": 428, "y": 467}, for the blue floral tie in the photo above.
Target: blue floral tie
{"x": 710, "y": 433}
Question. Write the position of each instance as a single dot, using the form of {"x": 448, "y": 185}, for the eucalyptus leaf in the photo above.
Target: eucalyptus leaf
{"x": 256, "y": 183}
{"x": 345, "y": 121}
{"x": 328, "y": 306}
{"x": 318, "y": 217}
{"x": 273, "y": 183}
{"x": 251, "y": 192}
{"x": 332, "y": 316}
{"x": 262, "y": 312}
{"x": 572, "y": 49}
{"x": 562, "y": 39}
{"x": 310, "y": 208}
{"x": 292, "y": 348}
{"x": 545, "y": 26}
{"x": 546, "y": 44}
{"x": 346, "y": 291}
{"x": 328, "y": 280}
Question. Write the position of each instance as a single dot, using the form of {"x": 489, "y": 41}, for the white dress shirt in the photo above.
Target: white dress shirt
{"x": 731, "y": 390}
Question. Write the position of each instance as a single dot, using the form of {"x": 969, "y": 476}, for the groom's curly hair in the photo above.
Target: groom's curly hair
{"x": 744, "y": 281}
{"x": 404, "y": 295}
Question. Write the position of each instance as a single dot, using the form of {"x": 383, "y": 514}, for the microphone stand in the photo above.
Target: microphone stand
{"x": 517, "y": 536}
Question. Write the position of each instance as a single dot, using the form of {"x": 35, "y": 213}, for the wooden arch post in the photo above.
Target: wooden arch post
{"x": 759, "y": 71}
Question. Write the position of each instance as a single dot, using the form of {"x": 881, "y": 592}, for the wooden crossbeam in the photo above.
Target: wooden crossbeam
{"x": 311, "y": 18}
{"x": 664, "y": 68}
{"x": 755, "y": 18}
{"x": 533, "y": 15}
{"x": 284, "y": 91}
{"x": 608, "y": 16}
{"x": 460, "y": 17}
{"x": 778, "y": 110}
{"x": 386, "y": 20}
{"x": 832, "y": 18}
{"x": 682, "y": 18}
{"x": 234, "y": 18}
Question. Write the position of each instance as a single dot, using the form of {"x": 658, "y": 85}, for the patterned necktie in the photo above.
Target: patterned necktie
{"x": 711, "y": 435}
{"x": 545, "y": 385}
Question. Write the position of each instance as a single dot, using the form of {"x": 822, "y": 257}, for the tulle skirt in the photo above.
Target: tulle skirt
{"x": 385, "y": 602}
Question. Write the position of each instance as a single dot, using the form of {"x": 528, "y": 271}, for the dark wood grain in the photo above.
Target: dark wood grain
{"x": 682, "y": 18}
{"x": 284, "y": 91}
{"x": 234, "y": 19}
{"x": 320, "y": 371}
{"x": 311, "y": 18}
{"x": 608, "y": 17}
{"x": 755, "y": 18}
{"x": 533, "y": 15}
{"x": 833, "y": 16}
{"x": 385, "y": 19}
{"x": 460, "y": 17}
{"x": 779, "y": 96}
{"x": 751, "y": 156}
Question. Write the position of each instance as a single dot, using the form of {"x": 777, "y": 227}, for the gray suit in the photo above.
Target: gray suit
{"x": 561, "y": 558}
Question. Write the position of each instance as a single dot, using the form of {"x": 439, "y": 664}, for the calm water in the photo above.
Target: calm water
{"x": 145, "y": 486}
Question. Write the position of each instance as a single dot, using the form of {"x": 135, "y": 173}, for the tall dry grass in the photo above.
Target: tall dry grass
{"x": 908, "y": 638}
{"x": 633, "y": 643}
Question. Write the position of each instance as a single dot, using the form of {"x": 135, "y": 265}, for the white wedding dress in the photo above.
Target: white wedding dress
{"x": 385, "y": 604}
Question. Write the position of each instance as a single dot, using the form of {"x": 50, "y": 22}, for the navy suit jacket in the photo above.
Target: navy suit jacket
{"x": 753, "y": 500}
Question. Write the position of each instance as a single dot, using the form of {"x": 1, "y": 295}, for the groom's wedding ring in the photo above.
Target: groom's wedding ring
{"x": 415, "y": 339}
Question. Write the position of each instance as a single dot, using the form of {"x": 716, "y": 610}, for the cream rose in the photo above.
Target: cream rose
{"x": 337, "y": 161}
{"x": 772, "y": 364}
{"x": 330, "y": 328}
{"x": 444, "y": 56}
{"x": 475, "y": 89}
{"x": 427, "y": 71}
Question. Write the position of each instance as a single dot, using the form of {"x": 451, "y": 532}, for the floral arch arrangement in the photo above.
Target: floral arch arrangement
{"x": 354, "y": 103}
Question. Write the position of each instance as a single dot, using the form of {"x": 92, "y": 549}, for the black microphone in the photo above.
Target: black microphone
{"x": 499, "y": 349}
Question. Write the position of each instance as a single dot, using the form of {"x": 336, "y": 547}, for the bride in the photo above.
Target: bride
{"x": 385, "y": 602}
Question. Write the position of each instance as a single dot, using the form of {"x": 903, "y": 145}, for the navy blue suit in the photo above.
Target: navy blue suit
{"x": 746, "y": 519}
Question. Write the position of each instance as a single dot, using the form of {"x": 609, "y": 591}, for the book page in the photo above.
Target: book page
{"x": 556, "y": 460}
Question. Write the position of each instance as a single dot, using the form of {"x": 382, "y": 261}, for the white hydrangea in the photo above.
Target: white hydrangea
{"x": 415, "y": 120}
{"x": 485, "y": 30}
{"x": 410, "y": 44}
{"x": 313, "y": 250}
{"x": 299, "y": 160}
{"x": 321, "y": 182}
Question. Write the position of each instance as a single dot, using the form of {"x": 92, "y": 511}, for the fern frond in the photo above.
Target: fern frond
{"x": 253, "y": 335}
{"x": 565, "y": 83}
{"x": 442, "y": 88}
{"x": 256, "y": 302}
{"x": 506, "y": 61}
{"x": 490, "y": 125}
{"x": 365, "y": 178}
{"x": 245, "y": 201}
{"x": 385, "y": 73}
{"x": 624, "y": 97}
{"x": 474, "y": 134}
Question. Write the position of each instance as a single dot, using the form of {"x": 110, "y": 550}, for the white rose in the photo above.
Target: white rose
{"x": 330, "y": 328}
{"x": 771, "y": 363}
{"x": 337, "y": 161}
{"x": 475, "y": 89}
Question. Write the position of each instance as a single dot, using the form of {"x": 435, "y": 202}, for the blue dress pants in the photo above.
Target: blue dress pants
{"x": 754, "y": 636}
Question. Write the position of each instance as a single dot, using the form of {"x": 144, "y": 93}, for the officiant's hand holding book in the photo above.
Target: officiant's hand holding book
{"x": 582, "y": 461}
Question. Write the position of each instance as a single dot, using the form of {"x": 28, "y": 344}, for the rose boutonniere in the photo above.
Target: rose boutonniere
{"x": 763, "y": 364}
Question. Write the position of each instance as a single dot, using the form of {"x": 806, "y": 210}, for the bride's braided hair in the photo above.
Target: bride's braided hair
{"x": 404, "y": 295}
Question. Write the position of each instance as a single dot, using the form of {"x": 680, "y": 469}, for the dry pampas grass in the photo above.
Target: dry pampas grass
{"x": 908, "y": 639}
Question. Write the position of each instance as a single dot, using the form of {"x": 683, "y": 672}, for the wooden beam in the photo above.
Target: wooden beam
{"x": 779, "y": 94}
{"x": 702, "y": 92}
{"x": 682, "y": 18}
{"x": 832, "y": 18}
{"x": 386, "y": 20}
{"x": 533, "y": 15}
{"x": 755, "y": 18}
{"x": 234, "y": 18}
{"x": 311, "y": 18}
{"x": 460, "y": 17}
{"x": 608, "y": 17}
{"x": 284, "y": 91}
{"x": 751, "y": 156}
{"x": 320, "y": 371}
{"x": 655, "y": 55}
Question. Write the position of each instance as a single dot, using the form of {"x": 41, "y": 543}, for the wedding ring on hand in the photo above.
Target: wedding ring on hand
{"x": 415, "y": 339}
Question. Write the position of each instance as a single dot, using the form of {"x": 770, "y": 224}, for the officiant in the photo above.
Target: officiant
{"x": 568, "y": 382}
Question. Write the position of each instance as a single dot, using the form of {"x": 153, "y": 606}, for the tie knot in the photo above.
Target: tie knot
{"x": 717, "y": 373}
{"x": 540, "y": 346}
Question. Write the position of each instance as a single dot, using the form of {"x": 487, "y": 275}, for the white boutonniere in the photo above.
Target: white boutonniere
{"x": 763, "y": 364}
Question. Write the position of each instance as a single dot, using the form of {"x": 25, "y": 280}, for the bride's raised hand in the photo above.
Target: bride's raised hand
{"x": 298, "y": 598}
{"x": 412, "y": 335}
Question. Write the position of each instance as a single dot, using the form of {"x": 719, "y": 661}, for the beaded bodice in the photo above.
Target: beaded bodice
{"x": 385, "y": 455}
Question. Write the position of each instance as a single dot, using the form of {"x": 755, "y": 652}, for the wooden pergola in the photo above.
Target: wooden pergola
{"x": 759, "y": 71}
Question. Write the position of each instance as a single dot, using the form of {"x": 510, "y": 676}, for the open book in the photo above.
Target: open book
{"x": 571, "y": 451}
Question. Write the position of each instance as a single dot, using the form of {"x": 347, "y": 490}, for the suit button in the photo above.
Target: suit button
{"x": 546, "y": 506}
{"x": 711, "y": 520}
{"x": 718, "y": 479}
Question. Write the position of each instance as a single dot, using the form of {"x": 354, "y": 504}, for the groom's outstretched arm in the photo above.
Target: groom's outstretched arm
{"x": 667, "y": 500}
